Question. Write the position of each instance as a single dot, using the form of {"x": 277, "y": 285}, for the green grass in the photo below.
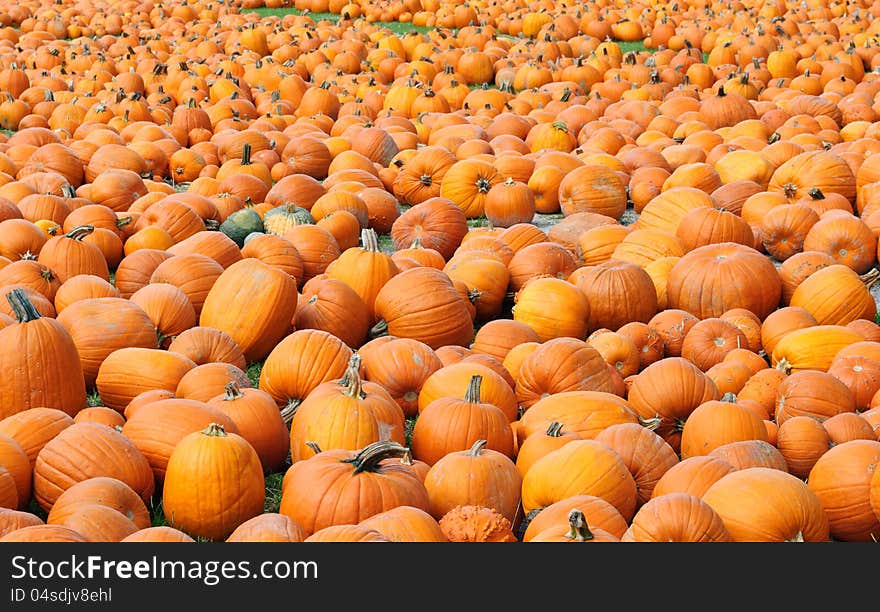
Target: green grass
{"x": 253, "y": 373}
{"x": 94, "y": 399}
{"x": 386, "y": 244}
{"x": 408, "y": 429}
{"x": 273, "y": 492}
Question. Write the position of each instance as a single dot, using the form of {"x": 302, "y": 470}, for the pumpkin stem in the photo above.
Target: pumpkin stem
{"x": 477, "y": 448}
{"x": 783, "y": 366}
{"x": 368, "y": 459}
{"x": 790, "y": 190}
{"x": 370, "y": 240}
{"x": 798, "y": 537}
{"x": 379, "y": 329}
{"x": 869, "y": 278}
{"x": 816, "y": 194}
{"x": 554, "y": 430}
{"x": 426, "y": 180}
{"x": 653, "y": 423}
{"x": 351, "y": 380}
{"x": 22, "y": 307}
{"x": 483, "y": 185}
{"x": 578, "y": 529}
{"x": 416, "y": 243}
{"x": 472, "y": 396}
{"x": 289, "y": 410}
{"x": 314, "y": 446}
{"x": 729, "y": 397}
{"x": 80, "y": 232}
{"x": 246, "y": 154}
{"x": 215, "y": 430}
{"x": 233, "y": 392}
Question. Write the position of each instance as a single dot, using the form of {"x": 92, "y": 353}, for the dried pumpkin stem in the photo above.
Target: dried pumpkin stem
{"x": 351, "y": 380}
{"x": 314, "y": 446}
{"x": 578, "y": 529}
{"x": 22, "y": 307}
{"x": 370, "y": 240}
{"x": 379, "y": 329}
{"x": 554, "y": 430}
{"x": 477, "y": 448}
{"x": 289, "y": 410}
{"x": 233, "y": 392}
{"x": 80, "y": 232}
{"x": 368, "y": 459}
{"x": 473, "y": 391}
{"x": 215, "y": 430}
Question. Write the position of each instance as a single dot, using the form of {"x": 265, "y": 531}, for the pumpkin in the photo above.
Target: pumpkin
{"x": 549, "y": 481}
{"x": 647, "y": 456}
{"x": 68, "y": 255}
{"x": 592, "y": 188}
{"x": 39, "y": 349}
{"x": 766, "y": 505}
{"x": 676, "y": 517}
{"x": 835, "y": 295}
{"x": 559, "y": 365}
{"x": 213, "y": 483}
{"x": 820, "y": 170}
{"x": 268, "y": 527}
{"x": 126, "y": 372}
{"x": 467, "y": 184}
{"x": 478, "y": 476}
{"x": 812, "y": 348}
{"x": 437, "y": 222}
{"x": 105, "y": 491}
{"x": 253, "y": 303}
{"x": 472, "y": 523}
{"x": 208, "y": 345}
{"x": 422, "y": 304}
{"x": 401, "y": 366}
{"x": 88, "y": 450}
{"x": 692, "y": 476}
{"x": 448, "y": 424}
{"x": 577, "y": 531}
{"x": 359, "y": 485}
{"x": 750, "y": 281}
{"x": 670, "y": 389}
{"x": 100, "y": 326}
{"x": 33, "y": 428}
{"x": 710, "y": 340}
{"x": 618, "y": 293}
{"x": 346, "y": 414}
{"x": 406, "y": 524}
{"x": 715, "y": 423}
{"x": 553, "y": 308}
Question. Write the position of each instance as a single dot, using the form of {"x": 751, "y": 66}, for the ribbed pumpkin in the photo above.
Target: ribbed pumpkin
{"x": 646, "y": 455}
{"x": 812, "y": 348}
{"x": 422, "y": 304}
{"x": 715, "y": 423}
{"x": 552, "y": 478}
{"x": 365, "y": 269}
{"x": 670, "y": 389}
{"x": 841, "y": 479}
{"x": 126, "y": 372}
{"x": 715, "y": 278}
{"x": 592, "y": 188}
{"x": 553, "y": 308}
{"x": 618, "y": 293}
{"x": 835, "y": 295}
{"x": 401, "y": 366}
{"x": 99, "y": 326}
{"x": 213, "y": 484}
{"x": 450, "y": 424}
{"x": 821, "y": 170}
{"x": 346, "y": 487}
{"x": 253, "y": 303}
{"x": 87, "y": 450}
{"x": 559, "y": 365}
{"x": 767, "y": 505}
{"x": 676, "y": 517}
{"x": 346, "y": 414}
{"x": 41, "y": 360}
{"x": 477, "y": 476}
{"x": 582, "y": 413}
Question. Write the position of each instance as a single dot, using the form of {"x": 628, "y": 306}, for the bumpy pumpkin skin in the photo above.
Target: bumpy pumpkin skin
{"x": 476, "y": 524}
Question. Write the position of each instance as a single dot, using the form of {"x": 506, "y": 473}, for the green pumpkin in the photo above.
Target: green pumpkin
{"x": 241, "y": 223}
{"x": 281, "y": 218}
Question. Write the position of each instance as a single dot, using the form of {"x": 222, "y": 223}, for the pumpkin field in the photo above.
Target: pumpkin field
{"x": 433, "y": 270}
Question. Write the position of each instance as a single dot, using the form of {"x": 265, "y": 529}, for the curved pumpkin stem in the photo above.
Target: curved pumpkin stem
{"x": 351, "y": 380}
{"x": 472, "y": 395}
{"x": 783, "y": 366}
{"x": 22, "y": 307}
{"x": 554, "y": 430}
{"x": 653, "y": 423}
{"x": 289, "y": 410}
{"x": 80, "y": 232}
{"x": 816, "y": 194}
{"x": 368, "y": 459}
{"x": 578, "y": 529}
{"x": 870, "y": 277}
{"x": 215, "y": 430}
{"x": 233, "y": 392}
{"x": 379, "y": 329}
{"x": 314, "y": 446}
{"x": 416, "y": 243}
{"x": 477, "y": 449}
